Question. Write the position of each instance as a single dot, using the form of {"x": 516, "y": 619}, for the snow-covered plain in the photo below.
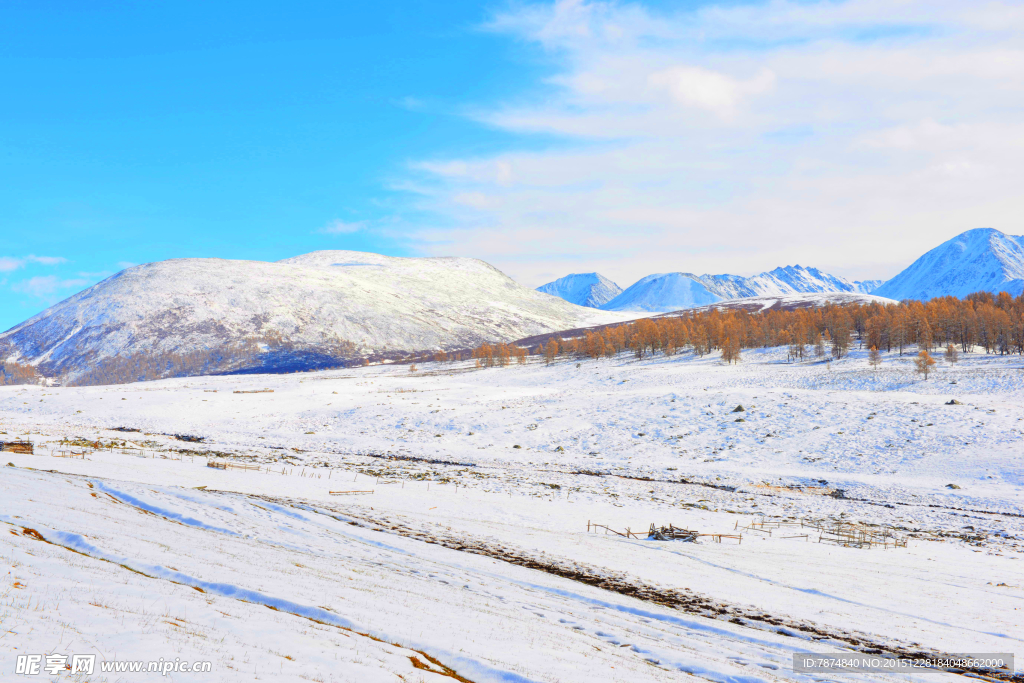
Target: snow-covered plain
{"x": 472, "y": 558}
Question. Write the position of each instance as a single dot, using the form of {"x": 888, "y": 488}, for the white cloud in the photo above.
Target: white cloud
{"x": 47, "y": 260}
{"x": 848, "y": 135}
{"x": 47, "y": 286}
{"x": 9, "y": 263}
{"x": 339, "y": 227}
{"x": 716, "y": 92}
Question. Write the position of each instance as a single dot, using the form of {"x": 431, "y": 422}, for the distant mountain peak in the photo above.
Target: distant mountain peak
{"x": 662, "y": 293}
{"x": 583, "y": 289}
{"x": 794, "y": 279}
{"x": 981, "y": 259}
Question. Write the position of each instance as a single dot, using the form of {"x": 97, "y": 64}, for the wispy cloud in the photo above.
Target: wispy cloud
{"x": 48, "y": 286}
{"x": 339, "y": 227}
{"x": 47, "y": 260}
{"x": 411, "y": 103}
{"x": 9, "y": 263}
{"x": 676, "y": 149}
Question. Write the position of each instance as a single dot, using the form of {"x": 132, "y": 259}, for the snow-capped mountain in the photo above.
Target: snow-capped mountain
{"x": 978, "y": 260}
{"x": 788, "y": 280}
{"x": 583, "y": 289}
{"x": 675, "y": 291}
{"x": 344, "y": 304}
{"x": 663, "y": 292}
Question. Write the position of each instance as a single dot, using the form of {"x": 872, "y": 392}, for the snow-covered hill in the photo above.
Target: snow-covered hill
{"x": 675, "y": 291}
{"x": 663, "y": 292}
{"x": 316, "y": 309}
{"x": 583, "y": 289}
{"x": 978, "y": 260}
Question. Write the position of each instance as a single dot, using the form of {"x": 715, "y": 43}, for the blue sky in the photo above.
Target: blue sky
{"x": 544, "y": 137}
{"x": 133, "y": 132}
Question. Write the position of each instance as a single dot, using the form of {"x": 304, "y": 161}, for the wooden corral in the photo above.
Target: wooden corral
{"x": 846, "y": 534}
{"x": 664, "y": 533}
{"x": 222, "y": 465}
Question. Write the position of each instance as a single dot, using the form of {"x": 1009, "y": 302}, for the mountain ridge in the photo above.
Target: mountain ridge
{"x": 664, "y": 292}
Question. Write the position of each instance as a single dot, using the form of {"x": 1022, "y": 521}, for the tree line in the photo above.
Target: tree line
{"x": 993, "y": 323}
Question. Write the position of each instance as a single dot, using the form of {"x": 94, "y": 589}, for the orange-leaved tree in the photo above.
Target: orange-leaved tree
{"x": 924, "y": 363}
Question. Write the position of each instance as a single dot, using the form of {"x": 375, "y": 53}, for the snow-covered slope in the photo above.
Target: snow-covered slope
{"x": 345, "y": 304}
{"x": 663, "y": 292}
{"x": 791, "y": 302}
{"x": 478, "y": 554}
{"x": 978, "y": 260}
{"x": 583, "y": 289}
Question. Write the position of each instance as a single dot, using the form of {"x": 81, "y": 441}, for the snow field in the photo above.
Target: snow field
{"x": 885, "y": 438}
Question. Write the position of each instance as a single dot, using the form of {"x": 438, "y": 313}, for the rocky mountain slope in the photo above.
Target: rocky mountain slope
{"x": 190, "y": 316}
{"x": 583, "y": 289}
{"x": 978, "y": 260}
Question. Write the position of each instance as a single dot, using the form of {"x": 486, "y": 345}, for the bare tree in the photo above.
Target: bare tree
{"x": 952, "y": 355}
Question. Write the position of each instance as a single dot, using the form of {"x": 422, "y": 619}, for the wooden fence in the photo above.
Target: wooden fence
{"x": 846, "y": 534}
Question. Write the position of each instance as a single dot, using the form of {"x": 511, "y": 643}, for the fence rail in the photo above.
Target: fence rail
{"x": 591, "y": 527}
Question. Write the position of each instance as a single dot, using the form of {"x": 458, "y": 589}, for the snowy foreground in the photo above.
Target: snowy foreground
{"x": 471, "y": 559}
